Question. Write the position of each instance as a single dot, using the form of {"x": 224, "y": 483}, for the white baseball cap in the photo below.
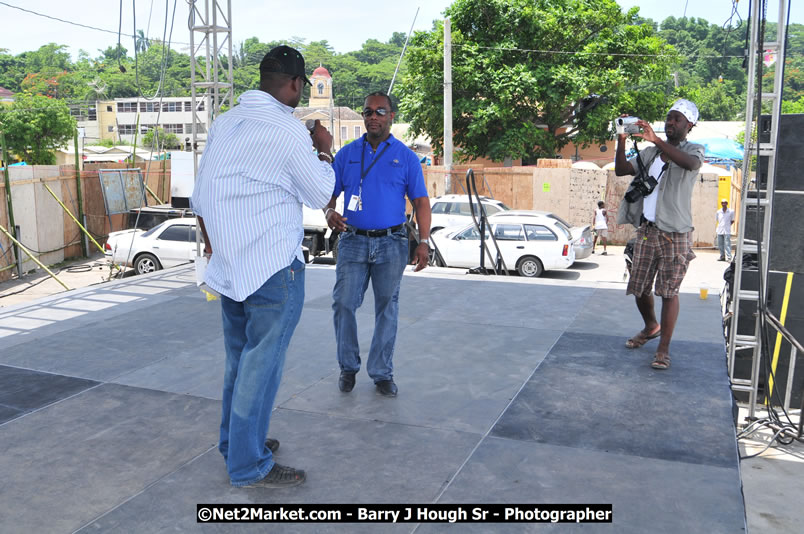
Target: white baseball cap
{"x": 686, "y": 108}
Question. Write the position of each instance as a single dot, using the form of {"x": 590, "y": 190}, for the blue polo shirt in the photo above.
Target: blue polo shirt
{"x": 395, "y": 172}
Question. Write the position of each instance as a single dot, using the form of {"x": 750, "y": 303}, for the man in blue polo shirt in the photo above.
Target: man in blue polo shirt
{"x": 374, "y": 173}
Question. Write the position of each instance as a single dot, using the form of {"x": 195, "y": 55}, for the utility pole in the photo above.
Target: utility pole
{"x": 448, "y": 104}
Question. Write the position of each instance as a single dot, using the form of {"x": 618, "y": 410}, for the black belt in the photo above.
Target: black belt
{"x": 377, "y": 233}
{"x": 648, "y": 223}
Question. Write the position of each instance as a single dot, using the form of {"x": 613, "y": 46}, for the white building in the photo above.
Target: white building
{"x": 174, "y": 114}
{"x": 117, "y": 119}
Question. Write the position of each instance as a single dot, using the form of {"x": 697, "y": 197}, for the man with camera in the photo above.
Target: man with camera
{"x": 659, "y": 204}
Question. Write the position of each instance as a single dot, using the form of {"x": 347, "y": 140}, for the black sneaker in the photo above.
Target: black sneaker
{"x": 280, "y": 476}
{"x": 386, "y": 388}
{"x": 272, "y": 444}
{"x": 346, "y": 382}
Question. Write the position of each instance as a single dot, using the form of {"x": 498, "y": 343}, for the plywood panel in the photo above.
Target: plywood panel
{"x": 24, "y": 199}
{"x": 523, "y": 190}
{"x": 69, "y": 194}
{"x": 704, "y": 196}
{"x": 49, "y": 216}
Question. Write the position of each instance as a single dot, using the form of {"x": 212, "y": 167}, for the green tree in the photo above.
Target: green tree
{"x": 36, "y": 125}
{"x": 161, "y": 141}
{"x": 141, "y": 43}
{"x": 717, "y": 101}
{"x": 528, "y": 76}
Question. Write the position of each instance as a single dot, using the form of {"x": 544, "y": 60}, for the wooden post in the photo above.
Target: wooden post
{"x": 9, "y": 203}
{"x": 78, "y": 189}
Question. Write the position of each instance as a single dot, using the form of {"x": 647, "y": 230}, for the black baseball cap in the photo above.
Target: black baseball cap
{"x": 286, "y": 60}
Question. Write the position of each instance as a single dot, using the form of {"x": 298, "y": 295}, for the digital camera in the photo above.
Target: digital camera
{"x": 640, "y": 187}
{"x": 626, "y": 125}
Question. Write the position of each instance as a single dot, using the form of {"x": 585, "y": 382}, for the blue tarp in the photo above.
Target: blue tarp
{"x": 720, "y": 149}
{"x": 20, "y": 164}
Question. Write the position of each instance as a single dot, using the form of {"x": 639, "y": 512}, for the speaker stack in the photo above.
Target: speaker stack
{"x": 786, "y": 256}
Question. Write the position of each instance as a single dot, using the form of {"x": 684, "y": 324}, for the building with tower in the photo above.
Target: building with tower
{"x": 342, "y": 122}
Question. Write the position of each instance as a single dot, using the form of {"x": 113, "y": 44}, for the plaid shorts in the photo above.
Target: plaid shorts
{"x": 664, "y": 256}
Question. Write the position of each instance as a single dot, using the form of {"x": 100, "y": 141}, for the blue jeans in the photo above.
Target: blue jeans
{"x": 256, "y": 335}
{"x": 724, "y": 245}
{"x": 360, "y": 259}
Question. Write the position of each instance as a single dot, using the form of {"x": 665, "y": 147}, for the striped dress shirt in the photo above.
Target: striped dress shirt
{"x": 257, "y": 169}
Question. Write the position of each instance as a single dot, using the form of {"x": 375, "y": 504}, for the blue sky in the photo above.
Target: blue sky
{"x": 346, "y": 24}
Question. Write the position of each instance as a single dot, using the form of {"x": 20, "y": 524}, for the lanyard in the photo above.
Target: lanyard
{"x": 363, "y": 173}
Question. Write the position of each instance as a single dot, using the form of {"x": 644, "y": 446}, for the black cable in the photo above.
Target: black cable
{"x": 68, "y": 21}
{"x": 31, "y": 284}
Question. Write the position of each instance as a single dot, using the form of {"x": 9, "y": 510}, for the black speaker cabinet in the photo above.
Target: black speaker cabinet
{"x": 787, "y": 232}
{"x": 789, "y": 152}
{"x": 754, "y": 219}
{"x": 794, "y": 322}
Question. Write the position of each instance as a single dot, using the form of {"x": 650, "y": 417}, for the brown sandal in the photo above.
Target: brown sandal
{"x": 661, "y": 361}
{"x": 641, "y": 338}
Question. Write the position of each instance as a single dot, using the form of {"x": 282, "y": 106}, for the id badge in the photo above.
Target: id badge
{"x": 353, "y": 203}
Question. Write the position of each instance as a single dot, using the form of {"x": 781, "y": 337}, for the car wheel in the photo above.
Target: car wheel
{"x": 146, "y": 263}
{"x": 530, "y": 266}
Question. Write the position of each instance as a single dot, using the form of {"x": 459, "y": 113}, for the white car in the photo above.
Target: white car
{"x": 529, "y": 243}
{"x": 165, "y": 245}
{"x": 452, "y": 210}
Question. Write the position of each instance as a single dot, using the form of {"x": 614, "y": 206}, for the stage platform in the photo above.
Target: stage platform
{"x": 510, "y": 391}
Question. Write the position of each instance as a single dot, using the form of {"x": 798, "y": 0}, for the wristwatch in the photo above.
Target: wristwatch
{"x": 426, "y": 241}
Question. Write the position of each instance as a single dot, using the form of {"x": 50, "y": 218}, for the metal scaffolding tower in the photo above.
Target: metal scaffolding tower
{"x": 211, "y": 78}
{"x": 756, "y": 193}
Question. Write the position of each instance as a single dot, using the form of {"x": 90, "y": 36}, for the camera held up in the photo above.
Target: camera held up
{"x": 627, "y": 125}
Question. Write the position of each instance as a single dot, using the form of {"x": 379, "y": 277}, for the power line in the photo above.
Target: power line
{"x": 71, "y": 22}
{"x": 581, "y": 52}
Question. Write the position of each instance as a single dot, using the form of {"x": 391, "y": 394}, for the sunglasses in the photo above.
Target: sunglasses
{"x": 368, "y": 112}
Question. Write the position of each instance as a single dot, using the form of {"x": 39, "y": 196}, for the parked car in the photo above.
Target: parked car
{"x": 319, "y": 239}
{"x": 528, "y": 242}
{"x": 165, "y": 245}
{"x": 582, "y": 237}
{"x": 453, "y": 210}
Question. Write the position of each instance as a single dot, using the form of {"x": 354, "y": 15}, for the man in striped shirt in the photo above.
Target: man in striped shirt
{"x": 258, "y": 169}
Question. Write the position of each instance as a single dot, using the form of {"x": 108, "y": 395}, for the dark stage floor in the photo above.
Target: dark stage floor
{"x": 509, "y": 392}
